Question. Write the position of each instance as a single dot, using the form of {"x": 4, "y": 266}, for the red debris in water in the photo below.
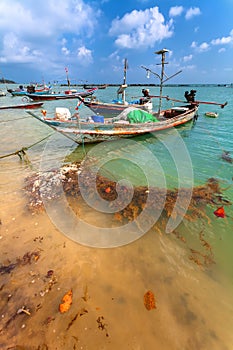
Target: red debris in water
{"x": 108, "y": 190}
{"x": 149, "y": 300}
{"x": 220, "y": 212}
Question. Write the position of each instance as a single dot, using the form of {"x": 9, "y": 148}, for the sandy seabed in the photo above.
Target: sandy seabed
{"x": 39, "y": 265}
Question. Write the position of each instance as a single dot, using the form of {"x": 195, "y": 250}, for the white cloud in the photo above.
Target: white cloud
{"x": 141, "y": 28}
{"x": 190, "y": 67}
{"x": 175, "y": 11}
{"x": 84, "y": 56}
{"x": 225, "y": 40}
{"x": 194, "y": 45}
{"x": 222, "y": 50}
{"x": 204, "y": 47}
{"x": 187, "y": 58}
{"x": 65, "y": 51}
{"x": 114, "y": 55}
{"x": 18, "y": 51}
{"x": 192, "y": 11}
{"x": 29, "y": 29}
{"x": 222, "y": 41}
{"x": 200, "y": 48}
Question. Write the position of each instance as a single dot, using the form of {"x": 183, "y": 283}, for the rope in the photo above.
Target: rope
{"x": 22, "y": 152}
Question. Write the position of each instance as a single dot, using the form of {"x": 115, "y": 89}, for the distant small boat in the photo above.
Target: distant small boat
{"x": 37, "y": 89}
{"x": 30, "y": 105}
{"x": 104, "y": 86}
{"x": 99, "y": 87}
{"x": 211, "y": 114}
{"x": 69, "y": 94}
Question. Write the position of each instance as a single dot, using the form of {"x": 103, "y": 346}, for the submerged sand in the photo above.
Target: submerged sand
{"x": 193, "y": 302}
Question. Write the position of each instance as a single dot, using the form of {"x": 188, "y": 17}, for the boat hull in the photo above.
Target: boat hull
{"x": 61, "y": 96}
{"x": 84, "y": 132}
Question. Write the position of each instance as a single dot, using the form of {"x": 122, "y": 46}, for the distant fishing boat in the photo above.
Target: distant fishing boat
{"x": 104, "y": 86}
{"x": 69, "y": 94}
{"x": 211, "y": 114}
{"x": 30, "y": 105}
{"x": 36, "y": 89}
{"x": 99, "y": 87}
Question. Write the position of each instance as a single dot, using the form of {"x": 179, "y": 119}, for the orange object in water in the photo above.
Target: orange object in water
{"x": 66, "y": 302}
{"x": 44, "y": 112}
{"x": 220, "y": 212}
{"x": 149, "y": 300}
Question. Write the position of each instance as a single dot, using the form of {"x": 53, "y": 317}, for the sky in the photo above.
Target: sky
{"x": 40, "y": 39}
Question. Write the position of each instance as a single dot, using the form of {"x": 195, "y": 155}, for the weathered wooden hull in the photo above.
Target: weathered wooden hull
{"x": 84, "y": 132}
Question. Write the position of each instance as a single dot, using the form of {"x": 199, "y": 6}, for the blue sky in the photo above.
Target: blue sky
{"x": 38, "y": 39}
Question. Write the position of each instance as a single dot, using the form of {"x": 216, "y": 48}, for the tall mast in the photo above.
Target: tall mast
{"x": 124, "y": 80}
{"x": 121, "y": 90}
{"x": 162, "y": 77}
{"x": 67, "y": 78}
{"x": 125, "y": 70}
{"x": 162, "y": 53}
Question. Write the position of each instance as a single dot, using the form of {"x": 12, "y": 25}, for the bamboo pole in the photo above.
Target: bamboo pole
{"x": 222, "y": 105}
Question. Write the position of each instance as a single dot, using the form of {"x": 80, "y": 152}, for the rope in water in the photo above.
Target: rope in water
{"x": 22, "y": 152}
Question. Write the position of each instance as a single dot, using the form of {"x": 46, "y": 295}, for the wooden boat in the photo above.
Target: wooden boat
{"x": 36, "y": 89}
{"x": 108, "y": 129}
{"x": 99, "y": 87}
{"x": 117, "y": 106}
{"x": 30, "y": 105}
{"x": 211, "y": 114}
{"x": 60, "y": 96}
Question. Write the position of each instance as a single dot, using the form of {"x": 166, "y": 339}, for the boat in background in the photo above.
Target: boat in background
{"x": 69, "y": 94}
{"x": 99, "y": 87}
{"x": 211, "y": 114}
{"x": 120, "y": 104}
{"x": 33, "y": 88}
{"x": 30, "y": 105}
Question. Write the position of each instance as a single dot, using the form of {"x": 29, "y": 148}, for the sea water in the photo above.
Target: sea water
{"x": 194, "y": 302}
